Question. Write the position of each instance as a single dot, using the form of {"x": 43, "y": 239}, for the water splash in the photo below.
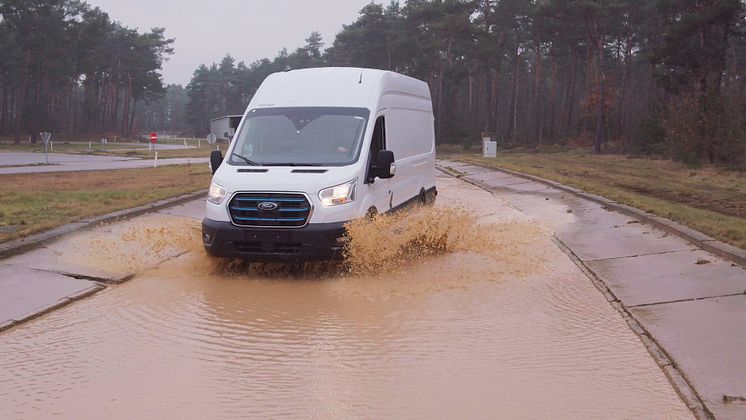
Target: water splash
{"x": 388, "y": 242}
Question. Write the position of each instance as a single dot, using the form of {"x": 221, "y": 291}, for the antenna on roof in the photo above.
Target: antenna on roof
{"x": 361, "y": 77}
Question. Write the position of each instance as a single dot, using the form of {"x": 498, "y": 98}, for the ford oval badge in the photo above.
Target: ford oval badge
{"x": 267, "y": 206}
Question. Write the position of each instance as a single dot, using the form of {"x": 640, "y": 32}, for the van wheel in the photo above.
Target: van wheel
{"x": 371, "y": 213}
{"x": 423, "y": 197}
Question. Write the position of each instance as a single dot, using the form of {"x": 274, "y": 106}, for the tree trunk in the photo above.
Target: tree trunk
{"x": 538, "y": 120}
{"x": 126, "y": 107}
{"x": 598, "y": 138}
{"x": 626, "y": 75}
{"x": 571, "y": 105}
{"x": 4, "y": 112}
{"x": 553, "y": 98}
{"x": 21, "y": 98}
{"x": 131, "y": 119}
{"x": 513, "y": 129}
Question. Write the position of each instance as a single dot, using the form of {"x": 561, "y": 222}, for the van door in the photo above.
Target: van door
{"x": 379, "y": 189}
{"x": 409, "y": 136}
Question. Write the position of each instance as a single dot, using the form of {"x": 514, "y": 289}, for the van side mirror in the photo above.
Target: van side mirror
{"x": 216, "y": 159}
{"x": 385, "y": 167}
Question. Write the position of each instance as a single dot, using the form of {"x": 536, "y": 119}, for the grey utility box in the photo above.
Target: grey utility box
{"x": 489, "y": 148}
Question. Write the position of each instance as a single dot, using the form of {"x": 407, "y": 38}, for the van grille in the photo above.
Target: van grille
{"x": 269, "y": 209}
{"x": 268, "y": 247}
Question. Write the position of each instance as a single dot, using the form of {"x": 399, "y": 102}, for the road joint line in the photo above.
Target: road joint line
{"x": 643, "y": 305}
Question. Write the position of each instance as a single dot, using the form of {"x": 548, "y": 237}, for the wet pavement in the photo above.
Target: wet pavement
{"x": 692, "y": 303}
{"x": 506, "y": 327}
{"x": 28, "y": 162}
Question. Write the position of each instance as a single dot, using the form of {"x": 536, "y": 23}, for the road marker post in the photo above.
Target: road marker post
{"x": 153, "y": 141}
{"x": 45, "y": 136}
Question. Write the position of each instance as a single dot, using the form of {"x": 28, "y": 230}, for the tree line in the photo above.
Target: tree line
{"x": 662, "y": 77}
{"x": 69, "y": 69}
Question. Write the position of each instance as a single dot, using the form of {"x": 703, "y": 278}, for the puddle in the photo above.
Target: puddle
{"x": 505, "y": 326}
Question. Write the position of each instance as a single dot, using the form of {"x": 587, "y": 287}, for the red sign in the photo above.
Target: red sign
{"x": 153, "y": 137}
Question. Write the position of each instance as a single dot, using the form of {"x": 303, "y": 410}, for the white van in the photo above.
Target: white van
{"x": 315, "y": 149}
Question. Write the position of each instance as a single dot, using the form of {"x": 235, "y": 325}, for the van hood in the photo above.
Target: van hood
{"x": 309, "y": 180}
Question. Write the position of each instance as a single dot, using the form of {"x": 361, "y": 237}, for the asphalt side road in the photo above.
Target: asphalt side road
{"x": 25, "y": 162}
{"x": 689, "y": 302}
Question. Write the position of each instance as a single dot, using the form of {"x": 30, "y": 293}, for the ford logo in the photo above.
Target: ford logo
{"x": 267, "y": 206}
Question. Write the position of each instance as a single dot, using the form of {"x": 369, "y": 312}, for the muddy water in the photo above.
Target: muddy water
{"x": 505, "y": 327}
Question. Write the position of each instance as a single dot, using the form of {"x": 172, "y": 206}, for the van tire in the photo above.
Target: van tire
{"x": 425, "y": 198}
{"x": 422, "y": 199}
{"x": 371, "y": 213}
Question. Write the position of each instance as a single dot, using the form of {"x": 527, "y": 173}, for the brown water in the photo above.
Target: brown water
{"x": 502, "y": 327}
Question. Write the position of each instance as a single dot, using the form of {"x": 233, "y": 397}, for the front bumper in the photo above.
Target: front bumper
{"x": 312, "y": 242}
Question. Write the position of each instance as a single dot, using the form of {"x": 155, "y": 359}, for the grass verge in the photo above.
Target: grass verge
{"x": 137, "y": 150}
{"x": 31, "y": 203}
{"x": 203, "y": 151}
{"x": 710, "y": 199}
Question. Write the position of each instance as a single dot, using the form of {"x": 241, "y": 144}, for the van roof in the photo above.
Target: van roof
{"x": 335, "y": 86}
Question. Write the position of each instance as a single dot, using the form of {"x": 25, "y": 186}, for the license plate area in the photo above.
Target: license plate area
{"x": 259, "y": 236}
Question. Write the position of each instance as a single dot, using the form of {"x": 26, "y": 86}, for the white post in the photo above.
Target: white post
{"x": 185, "y": 143}
{"x": 199, "y": 143}
{"x": 89, "y": 144}
{"x": 155, "y": 160}
{"x": 51, "y": 145}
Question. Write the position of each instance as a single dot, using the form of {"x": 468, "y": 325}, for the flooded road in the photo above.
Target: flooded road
{"x": 487, "y": 318}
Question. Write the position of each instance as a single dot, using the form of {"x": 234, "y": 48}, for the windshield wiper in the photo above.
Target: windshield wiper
{"x": 245, "y": 159}
{"x": 293, "y": 164}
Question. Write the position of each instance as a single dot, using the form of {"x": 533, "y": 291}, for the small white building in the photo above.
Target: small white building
{"x": 225, "y": 127}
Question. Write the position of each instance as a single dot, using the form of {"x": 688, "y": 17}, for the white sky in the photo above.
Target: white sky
{"x": 247, "y": 29}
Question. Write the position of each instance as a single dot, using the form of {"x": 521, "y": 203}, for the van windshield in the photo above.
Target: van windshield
{"x": 313, "y": 136}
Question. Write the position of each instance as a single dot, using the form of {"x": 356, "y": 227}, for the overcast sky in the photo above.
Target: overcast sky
{"x": 247, "y": 29}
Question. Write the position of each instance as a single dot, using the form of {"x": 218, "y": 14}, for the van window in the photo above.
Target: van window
{"x": 377, "y": 143}
{"x": 300, "y": 137}
{"x": 379, "y": 139}
{"x": 415, "y": 128}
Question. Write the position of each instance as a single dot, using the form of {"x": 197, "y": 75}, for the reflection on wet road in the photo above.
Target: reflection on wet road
{"x": 509, "y": 330}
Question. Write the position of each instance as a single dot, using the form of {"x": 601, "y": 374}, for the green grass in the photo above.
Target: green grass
{"x": 710, "y": 199}
{"x": 79, "y": 148}
{"x": 31, "y": 203}
{"x": 203, "y": 150}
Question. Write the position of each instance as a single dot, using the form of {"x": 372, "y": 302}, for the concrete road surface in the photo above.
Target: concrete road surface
{"x": 691, "y": 302}
{"x": 60, "y": 162}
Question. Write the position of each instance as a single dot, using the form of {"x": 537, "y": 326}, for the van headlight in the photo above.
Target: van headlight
{"x": 339, "y": 194}
{"x": 216, "y": 195}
